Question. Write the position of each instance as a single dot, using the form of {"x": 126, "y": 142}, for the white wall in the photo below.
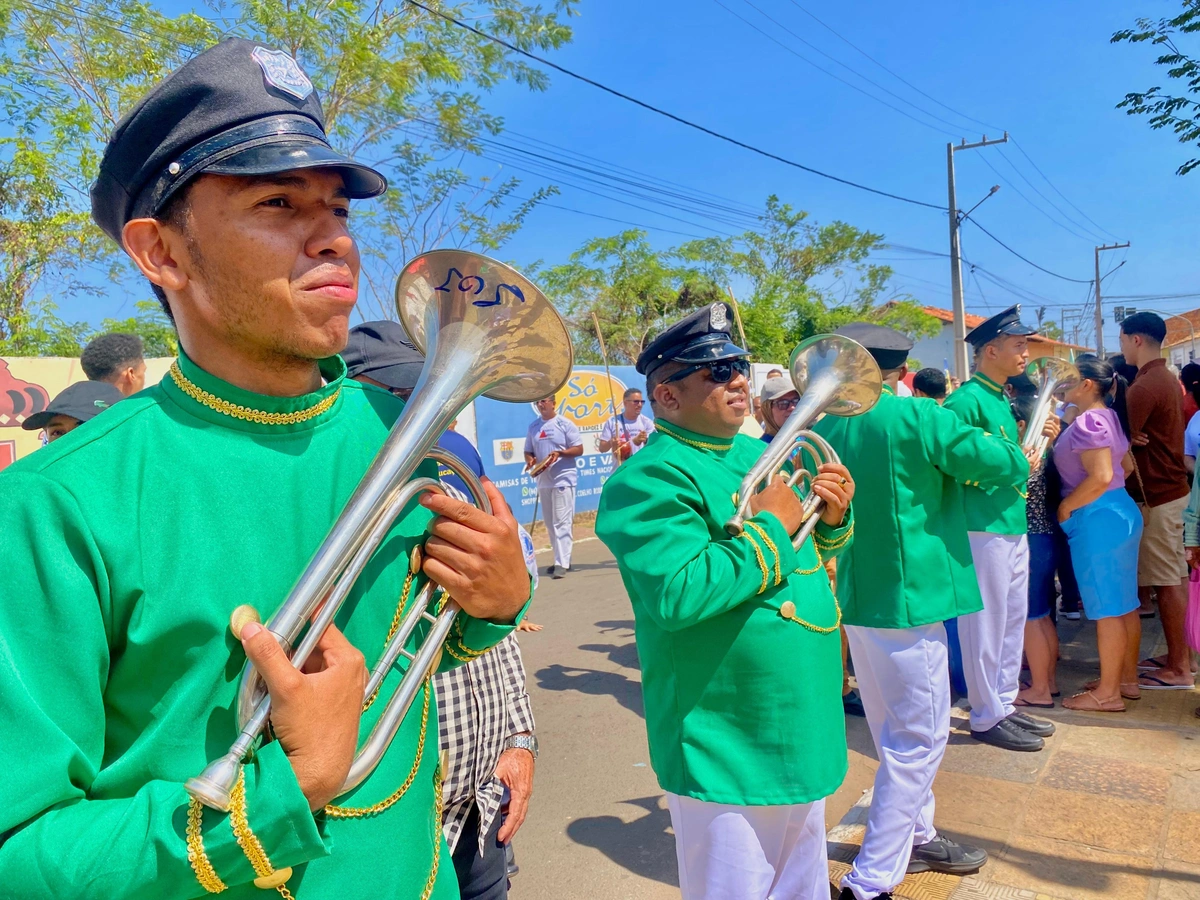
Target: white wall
{"x": 936, "y": 352}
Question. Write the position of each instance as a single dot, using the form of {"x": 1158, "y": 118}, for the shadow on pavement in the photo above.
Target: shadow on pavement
{"x": 624, "y": 655}
{"x": 627, "y": 692}
{"x": 643, "y": 846}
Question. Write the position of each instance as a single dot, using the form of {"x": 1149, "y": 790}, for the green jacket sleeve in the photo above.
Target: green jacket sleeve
{"x": 59, "y": 839}
{"x": 968, "y": 454}
{"x": 657, "y": 528}
{"x": 833, "y": 540}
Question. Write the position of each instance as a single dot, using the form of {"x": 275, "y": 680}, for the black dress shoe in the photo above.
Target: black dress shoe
{"x": 1009, "y": 736}
{"x": 848, "y": 894}
{"x": 549, "y": 570}
{"x": 560, "y": 572}
{"x": 1040, "y": 727}
{"x": 946, "y": 856}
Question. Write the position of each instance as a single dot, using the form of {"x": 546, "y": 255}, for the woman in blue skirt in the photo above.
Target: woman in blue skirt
{"x": 1103, "y": 528}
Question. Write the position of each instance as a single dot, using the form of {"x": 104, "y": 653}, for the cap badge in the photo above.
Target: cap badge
{"x": 282, "y": 72}
{"x": 717, "y": 320}
{"x": 100, "y": 404}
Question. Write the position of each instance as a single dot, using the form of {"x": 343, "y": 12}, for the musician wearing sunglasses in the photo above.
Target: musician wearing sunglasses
{"x": 779, "y": 400}
{"x": 737, "y": 636}
{"x": 128, "y": 544}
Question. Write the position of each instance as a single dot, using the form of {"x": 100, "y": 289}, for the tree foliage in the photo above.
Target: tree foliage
{"x": 40, "y": 332}
{"x": 1180, "y": 112}
{"x": 401, "y": 88}
{"x": 801, "y": 279}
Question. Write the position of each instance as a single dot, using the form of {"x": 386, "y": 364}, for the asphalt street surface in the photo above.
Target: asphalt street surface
{"x": 598, "y": 826}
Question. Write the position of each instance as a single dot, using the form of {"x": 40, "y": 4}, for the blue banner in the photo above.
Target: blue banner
{"x": 587, "y": 400}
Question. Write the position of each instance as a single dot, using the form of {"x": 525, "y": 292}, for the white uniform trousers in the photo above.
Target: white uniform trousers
{"x": 904, "y": 681}
{"x": 558, "y": 512}
{"x": 993, "y": 638}
{"x": 731, "y": 852}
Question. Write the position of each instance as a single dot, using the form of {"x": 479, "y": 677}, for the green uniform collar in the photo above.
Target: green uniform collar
{"x": 888, "y": 389}
{"x": 208, "y": 397}
{"x": 705, "y": 442}
{"x": 988, "y": 383}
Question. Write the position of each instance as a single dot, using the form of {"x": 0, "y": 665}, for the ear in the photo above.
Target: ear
{"x": 904, "y": 371}
{"x": 664, "y": 395}
{"x": 155, "y": 248}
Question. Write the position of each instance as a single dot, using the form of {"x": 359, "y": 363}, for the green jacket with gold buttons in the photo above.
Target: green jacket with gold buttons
{"x": 743, "y": 705}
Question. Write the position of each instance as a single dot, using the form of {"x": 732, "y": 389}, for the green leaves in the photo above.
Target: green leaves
{"x": 1180, "y": 114}
{"x": 803, "y": 279}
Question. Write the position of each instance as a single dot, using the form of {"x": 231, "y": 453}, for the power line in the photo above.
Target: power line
{"x": 1055, "y": 206}
{"x": 662, "y": 112}
{"x": 1020, "y": 194}
{"x": 855, "y": 47}
{"x": 1021, "y": 150}
{"x": 1024, "y": 259}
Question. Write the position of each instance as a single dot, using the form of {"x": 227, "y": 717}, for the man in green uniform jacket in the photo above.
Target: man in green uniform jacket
{"x": 992, "y": 639}
{"x": 908, "y": 570}
{"x": 737, "y": 636}
{"x": 129, "y": 542}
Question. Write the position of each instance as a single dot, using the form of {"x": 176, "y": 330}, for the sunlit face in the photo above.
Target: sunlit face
{"x": 268, "y": 263}
{"x": 700, "y": 404}
{"x": 634, "y": 404}
{"x": 60, "y": 425}
{"x": 546, "y": 406}
{"x": 1008, "y": 355}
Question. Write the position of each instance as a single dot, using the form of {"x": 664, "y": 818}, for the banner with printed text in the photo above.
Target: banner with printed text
{"x": 587, "y": 400}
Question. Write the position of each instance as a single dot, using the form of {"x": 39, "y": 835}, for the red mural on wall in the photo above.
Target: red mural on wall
{"x": 19, "y": 399}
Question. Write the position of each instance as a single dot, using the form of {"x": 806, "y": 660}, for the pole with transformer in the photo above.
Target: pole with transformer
{"x": 961, "y": 363}
{"x": 1099, "y": 308}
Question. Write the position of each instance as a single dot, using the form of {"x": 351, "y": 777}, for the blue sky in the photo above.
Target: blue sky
{"x": 1043, "y": 71}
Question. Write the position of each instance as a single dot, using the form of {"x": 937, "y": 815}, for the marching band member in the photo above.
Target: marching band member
{"x": 129, "y": 542}
{"x": 627, "y": 432}
{"x": 552, "y": 445}
{"x": 737, "y": 637}
{"x": 908, "y": 570}
{"x": 992, "y": 638}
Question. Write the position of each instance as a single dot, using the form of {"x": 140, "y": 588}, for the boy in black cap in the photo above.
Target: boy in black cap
{"x": 992, "y": 639}
{"x": 737, "y": 636}
{"x": 79, "y": 403}
{"x": 223, "y": 189}
{"x": 908, "y": 571}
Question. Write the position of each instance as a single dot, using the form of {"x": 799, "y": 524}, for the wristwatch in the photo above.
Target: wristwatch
{"x": 523, "y": 742}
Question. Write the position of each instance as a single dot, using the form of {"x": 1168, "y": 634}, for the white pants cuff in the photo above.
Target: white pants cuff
{"x": 729, "y": 852}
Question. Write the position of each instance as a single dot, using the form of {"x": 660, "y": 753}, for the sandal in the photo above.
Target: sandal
{"x": 1148, "y": 682}
{"x": 1021, "y": 702}
{"x": 1089, "y": 702}
{"x": 1150, "y": 663}
{"x": 1130, "y": 690}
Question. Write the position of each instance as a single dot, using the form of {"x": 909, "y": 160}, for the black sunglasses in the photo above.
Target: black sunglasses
{"x": 721, "y": 371}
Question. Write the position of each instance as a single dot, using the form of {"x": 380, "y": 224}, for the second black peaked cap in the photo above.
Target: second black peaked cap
{"x": 701, "y": 337}
{"x": 888, "y": 346}
{"x": 239, "y": 108}
{"x": 1002, "y": 323}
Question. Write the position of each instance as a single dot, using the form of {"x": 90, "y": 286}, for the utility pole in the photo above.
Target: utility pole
{"x": 961, "y": 365}
{"x": 1099, "y": 309}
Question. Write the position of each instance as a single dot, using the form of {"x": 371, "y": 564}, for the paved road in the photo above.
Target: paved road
{"x": 598, "y": 826}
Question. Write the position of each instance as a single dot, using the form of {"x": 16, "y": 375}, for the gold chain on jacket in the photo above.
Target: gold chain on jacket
{"x": 201, "y": 865}
{"x": 245, "y": 413}
{"x": 700, "y": 445}
{"x": 267, "y": 876}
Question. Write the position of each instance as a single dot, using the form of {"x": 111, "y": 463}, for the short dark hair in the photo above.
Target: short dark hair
{"x": 629, "y": 392}
{"x": 931, "y": 382}
{"x": 105, "y": 357}
{"x": 1147, "y": 324}
{"x": 1023, "y": 406}
{"x": 1190, "y": 375}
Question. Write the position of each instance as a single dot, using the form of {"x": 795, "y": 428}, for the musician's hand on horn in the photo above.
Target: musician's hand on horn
{"x": 781, "y": 501}
{"x": 477, "y": 558}
{"x": 834, "y": 485}
{"x": 314, "y": 713}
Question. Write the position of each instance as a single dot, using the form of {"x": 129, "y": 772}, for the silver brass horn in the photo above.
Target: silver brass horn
{"x": 1051, "y": 375}
{"x": 485, "y": 330}
{"x": 833, "y": 375}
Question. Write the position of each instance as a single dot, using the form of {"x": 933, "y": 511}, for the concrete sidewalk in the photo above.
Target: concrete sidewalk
{"x": 1110, "y": 808}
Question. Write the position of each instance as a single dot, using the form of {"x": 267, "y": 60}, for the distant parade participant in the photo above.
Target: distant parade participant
{"x": 930, "y": 383}
{"x": 79, "y": 403}
{"x": 908, "y": 570}
{"x": 118, "y": 359}
{"x": 628, "y": 431}
{"x": 992, "y": 638}
{"x": 779, "y": 399}
{"x": 737, "y": 636}
{"x": 210, "y": 490}
{"x": 552, "y": 445}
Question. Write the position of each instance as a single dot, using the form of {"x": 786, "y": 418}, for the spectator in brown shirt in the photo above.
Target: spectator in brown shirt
{"x": 1161, "y": 488}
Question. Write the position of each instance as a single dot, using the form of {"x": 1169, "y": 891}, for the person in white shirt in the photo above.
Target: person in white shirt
{"x": 627, "y": 433}
{"x": 555, "y": 439}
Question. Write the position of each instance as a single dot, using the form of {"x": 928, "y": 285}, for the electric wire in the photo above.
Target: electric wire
{"x": 1019, "y": 256}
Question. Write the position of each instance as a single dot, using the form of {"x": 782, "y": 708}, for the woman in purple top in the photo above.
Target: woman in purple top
{"x": 1103, "y": 528}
